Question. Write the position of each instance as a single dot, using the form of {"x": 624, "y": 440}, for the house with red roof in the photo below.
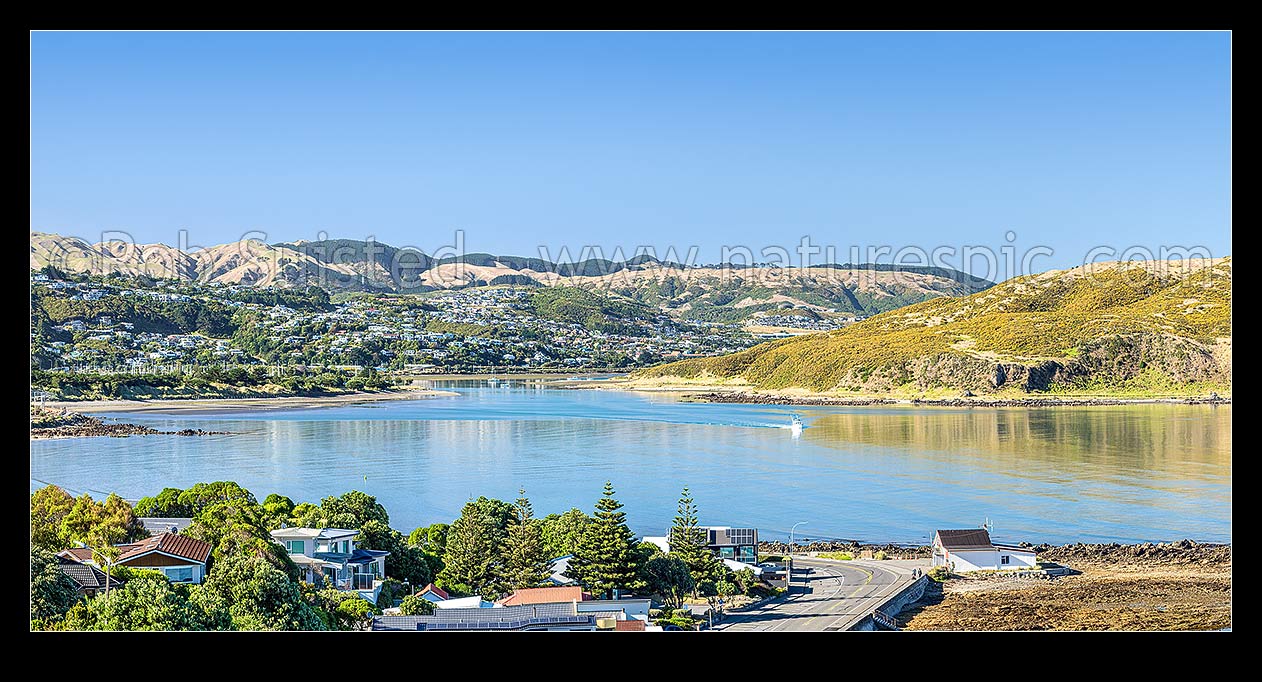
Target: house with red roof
{"x": 180, "y": 558}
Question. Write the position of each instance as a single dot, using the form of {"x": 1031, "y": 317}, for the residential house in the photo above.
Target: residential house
{"x": 583, "y": 602}
{"x": 88, "y": 579}
{"x": 558, "y": 616}
{"x": 738, "y": 547}
{"x": 433, "y": 594}
{"x": 329, "y": 555}
{"x": 542, "y": 617}
{"x": 545, "y": 595}
{"x": 181, "y": 558}
{"x": 971, "y": 549}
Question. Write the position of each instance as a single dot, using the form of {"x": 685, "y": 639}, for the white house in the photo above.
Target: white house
{"x": 971, "y": 549}
{"x": 331, "y": 554}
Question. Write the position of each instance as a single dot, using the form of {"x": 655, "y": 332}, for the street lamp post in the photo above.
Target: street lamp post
{"x": 788, "y": 578}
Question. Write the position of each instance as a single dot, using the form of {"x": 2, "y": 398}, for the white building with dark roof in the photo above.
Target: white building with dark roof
{"x": 331, "y": 555}
{"x": 971, "y": 549}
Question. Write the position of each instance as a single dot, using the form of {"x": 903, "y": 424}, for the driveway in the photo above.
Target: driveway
{"x": 827, "y": 595}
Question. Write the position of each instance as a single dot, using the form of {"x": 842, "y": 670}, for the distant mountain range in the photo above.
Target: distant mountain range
{"x": 720, "y": 293}
{"x": 1110, "y": 328}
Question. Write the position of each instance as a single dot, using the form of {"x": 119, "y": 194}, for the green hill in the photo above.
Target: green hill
{"x": 1110, "y": 328}
{"x": 595, "y": 311}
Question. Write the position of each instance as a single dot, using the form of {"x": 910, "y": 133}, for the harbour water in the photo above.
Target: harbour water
{"x": 891, "y": 473}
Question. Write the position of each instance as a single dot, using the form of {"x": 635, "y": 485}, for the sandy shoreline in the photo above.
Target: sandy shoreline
{"x": 687, "y": 392}
{"x": 210, "y": 405}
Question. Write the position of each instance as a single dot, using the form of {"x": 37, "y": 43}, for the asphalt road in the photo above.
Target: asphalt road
{"x": 826, "y": 595}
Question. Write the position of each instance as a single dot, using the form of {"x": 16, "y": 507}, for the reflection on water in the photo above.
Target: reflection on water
{"x": 1175, "y": 442}
{"x": 1147, "y": 472}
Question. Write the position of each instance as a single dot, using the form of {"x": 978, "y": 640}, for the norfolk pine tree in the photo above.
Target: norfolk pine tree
{"x": 607, "y": 559}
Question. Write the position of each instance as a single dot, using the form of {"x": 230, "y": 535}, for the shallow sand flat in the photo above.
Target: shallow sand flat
{"x": 226, "y": 404}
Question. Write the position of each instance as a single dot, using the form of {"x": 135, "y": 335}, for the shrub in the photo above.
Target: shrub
{"x": 415, "y": 605}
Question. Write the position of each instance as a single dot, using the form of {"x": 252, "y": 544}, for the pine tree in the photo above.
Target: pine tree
{"x": 688, "y": 542}
{"x": 524, "y": 562}
{"x": 470, "y": 552}
{"x": 606, "y": 559}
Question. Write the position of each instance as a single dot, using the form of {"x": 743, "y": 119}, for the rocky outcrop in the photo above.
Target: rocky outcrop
{"x": 963, "y": 401}
{"x": 1181, "y": 552}
{"x": 66, "y": 424}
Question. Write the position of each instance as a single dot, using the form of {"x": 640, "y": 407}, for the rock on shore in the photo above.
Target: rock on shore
{"x": 46, "y": 423}
{"x": 772, "y": 399}
{"x": 1181, "y": 552}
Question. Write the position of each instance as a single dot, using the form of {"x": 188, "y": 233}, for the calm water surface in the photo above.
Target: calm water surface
{"x": 1125, "y": 473}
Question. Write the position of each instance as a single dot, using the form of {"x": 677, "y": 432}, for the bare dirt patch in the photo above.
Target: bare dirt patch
{"x": 1176, "y": 586}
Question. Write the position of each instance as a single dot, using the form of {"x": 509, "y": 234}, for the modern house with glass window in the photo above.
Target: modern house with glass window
{"x": 730, "y": 544}
{"x": 329, "y": 555}
{"x": 180, "y": 558}
{"x": 735, "y": 544}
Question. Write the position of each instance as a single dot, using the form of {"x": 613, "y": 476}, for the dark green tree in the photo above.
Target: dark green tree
{"x": 352, "y": 510}
{"x": 404, "y": 561}
{"x": 472, "y": 542}
{"x": 499, "y": 512}
{"x": 688, "y": 542}
{"x": 203, "y": 495}
{"x": 523, "y": 559}
{"x": 431, "y": 538}
{"x": 147, "y": 602}
{"x": 255, "y": 595}
{"x": 668, "y": 577}
{"x": 278, "y": 507}
{"x": 607, "y": 560}
{"x": 240, "y": 528}
{"x": 52, "y": 591}
{"x": 165, "y": 504}
{"x": 562, "y": 533}
{"x": 416, "y": 605}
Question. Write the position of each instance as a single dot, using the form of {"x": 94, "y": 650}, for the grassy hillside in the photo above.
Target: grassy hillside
{"x": 1113, "y": 328}
{"x": 592, "y": 310}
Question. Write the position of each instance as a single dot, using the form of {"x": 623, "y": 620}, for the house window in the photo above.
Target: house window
{"x": 1004, "y": 559}
{"x": 180, "y": 574}
{"x": 296, "y": 546}
{"x": 346, "y": 547}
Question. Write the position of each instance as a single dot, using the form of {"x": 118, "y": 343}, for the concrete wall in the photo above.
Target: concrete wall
{"x": 895, "y": 604}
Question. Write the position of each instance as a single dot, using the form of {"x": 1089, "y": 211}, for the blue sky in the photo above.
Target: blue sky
{"x": 1069, "y": 140}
